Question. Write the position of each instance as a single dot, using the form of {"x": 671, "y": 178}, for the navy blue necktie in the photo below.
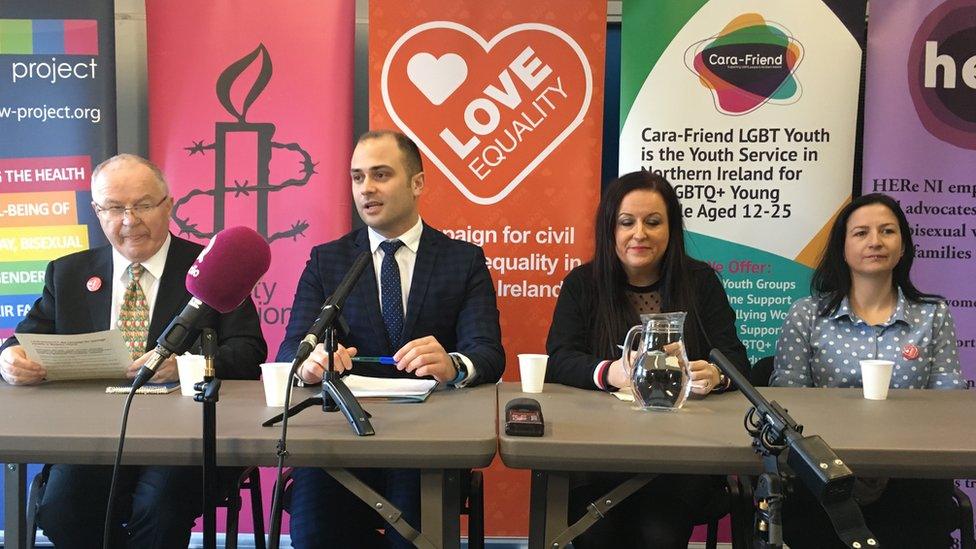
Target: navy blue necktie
{"x": 391, "y": 293}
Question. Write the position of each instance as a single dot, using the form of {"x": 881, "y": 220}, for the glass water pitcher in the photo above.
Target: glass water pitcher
{"x": 655, "y": 358}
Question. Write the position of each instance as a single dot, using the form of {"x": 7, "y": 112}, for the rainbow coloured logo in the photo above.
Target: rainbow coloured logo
{"x": 48, "y": 36}
{"x": 751, "y": 62}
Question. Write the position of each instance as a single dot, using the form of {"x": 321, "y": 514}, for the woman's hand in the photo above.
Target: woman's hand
{"x": 617, "y": 376}
{"x": 704, "y": 376}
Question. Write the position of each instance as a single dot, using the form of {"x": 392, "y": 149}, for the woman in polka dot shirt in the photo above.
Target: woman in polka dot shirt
{"x": 865, "y": 306}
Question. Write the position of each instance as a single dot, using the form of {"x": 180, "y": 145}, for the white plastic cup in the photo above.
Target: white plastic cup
{"x": 532, "y": 371}
{"x": 190, "y": 369}
{"x": 275, "y": 378}
{"x": 876, "y": 376}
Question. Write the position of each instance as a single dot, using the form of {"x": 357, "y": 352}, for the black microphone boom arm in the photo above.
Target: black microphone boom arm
{"x": 811, "y": 459}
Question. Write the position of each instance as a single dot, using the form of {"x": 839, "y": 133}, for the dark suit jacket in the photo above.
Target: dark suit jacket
{"x": 451, "y": 298}
{"x": 67, "y": 307}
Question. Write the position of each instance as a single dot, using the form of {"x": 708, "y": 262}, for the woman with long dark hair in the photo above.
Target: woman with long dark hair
{"x": 864, "y": 305}
{"x": 640, "y": 266}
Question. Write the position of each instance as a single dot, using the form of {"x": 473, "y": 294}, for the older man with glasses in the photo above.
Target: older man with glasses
{"x": 136, "y": 285}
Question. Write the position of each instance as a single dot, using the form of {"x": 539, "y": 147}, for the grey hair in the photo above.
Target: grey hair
{"x": 126, "y": 157}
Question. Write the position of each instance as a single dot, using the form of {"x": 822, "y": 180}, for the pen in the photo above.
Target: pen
{"x": 380, "y": 359}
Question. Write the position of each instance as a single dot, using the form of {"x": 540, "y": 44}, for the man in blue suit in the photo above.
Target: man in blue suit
{"x": 429, "y": 303}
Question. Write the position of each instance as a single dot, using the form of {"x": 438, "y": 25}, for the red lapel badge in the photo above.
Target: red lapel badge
{"x": 93, "y": 284}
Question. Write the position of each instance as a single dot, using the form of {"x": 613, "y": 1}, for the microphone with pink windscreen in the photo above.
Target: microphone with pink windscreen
{"x": 220, "y": 279}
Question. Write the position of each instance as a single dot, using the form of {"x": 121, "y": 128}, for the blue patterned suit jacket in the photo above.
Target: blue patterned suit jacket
{"x": 451, "y": 298}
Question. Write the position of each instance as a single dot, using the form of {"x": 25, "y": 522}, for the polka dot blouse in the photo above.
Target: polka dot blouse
{"x": 823, "y": 351}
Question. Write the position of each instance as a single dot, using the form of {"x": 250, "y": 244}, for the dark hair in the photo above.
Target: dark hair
{"x": 411, "y": 153}
{"x": 614, "y": 313}
{"x": 832, "y": 278}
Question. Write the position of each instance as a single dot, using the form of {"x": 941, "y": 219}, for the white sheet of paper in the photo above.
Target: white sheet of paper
{"x": 625, "y": 395}
{"x": 364, "y": 386}
{"x": 98, "y": 355}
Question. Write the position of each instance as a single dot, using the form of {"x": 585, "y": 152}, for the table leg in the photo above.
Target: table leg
{"x": 548, "y": 507}
{"x": 440, "y": 507}
{"x": 15, "y": 506}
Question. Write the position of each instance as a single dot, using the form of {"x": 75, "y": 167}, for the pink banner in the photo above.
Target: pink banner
{"x": 251, "y": 121}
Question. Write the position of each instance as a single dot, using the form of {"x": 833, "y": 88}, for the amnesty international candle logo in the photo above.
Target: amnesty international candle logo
{"x": 751, "y": 62}
{"x": 242, "y": 153}
{"x": 486, "y": 112}
{"x": 942, "y": 73}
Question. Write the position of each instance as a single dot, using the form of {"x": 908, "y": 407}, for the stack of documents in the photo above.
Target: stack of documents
{"x": 393, "y": 389}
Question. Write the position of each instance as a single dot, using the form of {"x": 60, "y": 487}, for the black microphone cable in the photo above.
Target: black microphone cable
{"x": 276, "y": 501}
{"x": 107, "y": 528}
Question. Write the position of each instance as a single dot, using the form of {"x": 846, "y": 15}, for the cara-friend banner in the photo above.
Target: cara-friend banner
{"x": 57, "y": 121}
{"x": 920, "y": 144}
{"x": 250, "y": 119}
{"x": 750, "y": 109}
{"x": 504, "y": 98}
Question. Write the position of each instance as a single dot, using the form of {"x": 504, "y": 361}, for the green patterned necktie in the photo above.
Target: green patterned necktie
{"x": 134, "y": 314}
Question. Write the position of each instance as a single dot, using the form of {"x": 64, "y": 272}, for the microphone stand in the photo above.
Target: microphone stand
{"x": 209, "y": 395}
{"x": 774, "y": 433}
{"x": 335, "y": 396}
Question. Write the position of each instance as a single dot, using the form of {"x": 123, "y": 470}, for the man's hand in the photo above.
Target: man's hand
{"x": 17, "y": 369}
{"x": 313, "y": 369}
{"x": 425, "y": 356}
{"x": 165, "y": 372}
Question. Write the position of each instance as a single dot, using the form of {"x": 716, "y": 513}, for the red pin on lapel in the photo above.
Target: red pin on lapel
{"x": 93, "y": 284}
{"x": 910, "y": 352}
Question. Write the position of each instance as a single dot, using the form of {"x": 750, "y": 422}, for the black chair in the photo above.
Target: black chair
{"x": 727, "y": 504}
{"x": 250, "y": 480}
{"x": 472, "y": 504}
{"x": 964, "y": 516}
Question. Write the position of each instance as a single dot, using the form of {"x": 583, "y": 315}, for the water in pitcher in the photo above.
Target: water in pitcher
{"x": 657, "y": 362}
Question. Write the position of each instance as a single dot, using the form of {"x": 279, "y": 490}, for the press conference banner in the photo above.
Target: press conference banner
{"x": 508, "y": 113}
{"x": 250, "y": 118}
{"x": 920, "y": 143}
{"x": 57, "y": 121}
{"x": 749, "y": 108}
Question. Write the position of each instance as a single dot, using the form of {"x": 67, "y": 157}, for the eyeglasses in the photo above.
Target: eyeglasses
{"x": 115, "y": 213}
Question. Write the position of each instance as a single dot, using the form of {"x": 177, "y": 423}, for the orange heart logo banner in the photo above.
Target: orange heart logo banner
{"x": 505, "y": 100}
{"x": 487, "y": 112}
